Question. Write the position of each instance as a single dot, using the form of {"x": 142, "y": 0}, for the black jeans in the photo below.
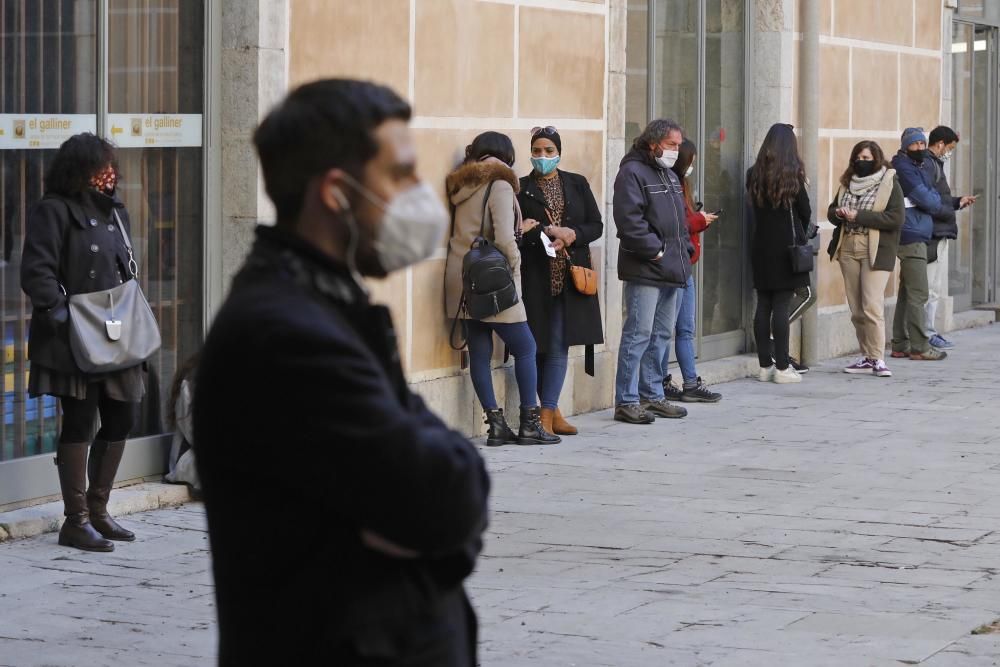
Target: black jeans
{"x": 772, "y": 318}
{"x": 117, "y": 417}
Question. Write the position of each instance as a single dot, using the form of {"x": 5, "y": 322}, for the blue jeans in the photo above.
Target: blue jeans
{"x": 649, "y": 316}
{"x": 684, "y": 335}
{"x": 518, "y": 338}
{"x": 552, "y": 363}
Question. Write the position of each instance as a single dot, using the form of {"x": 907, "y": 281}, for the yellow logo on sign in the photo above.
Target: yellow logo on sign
{"x": 115, "y": 130}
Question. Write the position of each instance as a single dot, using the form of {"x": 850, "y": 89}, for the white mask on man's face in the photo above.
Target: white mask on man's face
{"x": 668, "y": 159}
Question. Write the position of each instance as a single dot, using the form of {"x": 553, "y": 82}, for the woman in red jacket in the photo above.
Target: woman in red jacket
{"x": 693, "y": 390}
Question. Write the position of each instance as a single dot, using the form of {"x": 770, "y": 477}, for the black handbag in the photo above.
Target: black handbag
{"x": 487, "y": 280}
{"x": 800, "y": 253}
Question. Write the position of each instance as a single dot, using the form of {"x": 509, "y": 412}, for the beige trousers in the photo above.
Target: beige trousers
{"x": 865, "y": 294}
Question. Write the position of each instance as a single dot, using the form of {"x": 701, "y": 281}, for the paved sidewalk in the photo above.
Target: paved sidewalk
{"x": 849, "y": 520}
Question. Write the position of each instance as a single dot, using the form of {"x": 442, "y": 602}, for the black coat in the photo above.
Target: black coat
{"x": 945, "y": 225}
{"x": 76, "y": 243}
{"x": 307, "y": 435}
{"x": 772, "y": 235}
{"x": 582, "y": 215}
{"x": 650, "y": 217}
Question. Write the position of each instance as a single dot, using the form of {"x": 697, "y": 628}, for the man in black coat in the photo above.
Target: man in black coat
{"x": 343, "y": 514}
{"x": 940, "y": 146}
{"x": 654, "y": 262}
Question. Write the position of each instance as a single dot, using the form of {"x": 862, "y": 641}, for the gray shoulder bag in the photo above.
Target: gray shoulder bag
{"x": 113, "y": 329}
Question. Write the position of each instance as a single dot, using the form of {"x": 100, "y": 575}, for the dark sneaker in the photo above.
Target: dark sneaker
{"x": 881, "y": 370}
{"x": 699, "y": 394}
{"x": 633, "y": 414}
{"x": 941, "y": 343}
{"x": 661, "y": 408}
{"x": 801, "y": 369}
{"x": 930, "y": 354}
{"x": 862, "y": 365}
{"x": 671, "y": 391}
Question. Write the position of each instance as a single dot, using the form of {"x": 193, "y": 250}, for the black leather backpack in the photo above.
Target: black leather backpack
{"x": 487, "y": 280}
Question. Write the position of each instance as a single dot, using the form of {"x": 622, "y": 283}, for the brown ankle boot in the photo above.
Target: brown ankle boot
{"x": 102, "y": 467}
{"x": 546, "y": 416}
{"x": 76, "y": 531}
{"x": 561, "y": 426}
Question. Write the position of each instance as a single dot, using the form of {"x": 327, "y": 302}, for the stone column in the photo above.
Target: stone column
{"x": 253, "y": 78}
{"x": 617, "y": 144}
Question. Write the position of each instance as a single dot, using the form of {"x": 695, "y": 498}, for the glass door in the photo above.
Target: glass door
{"x": 686, "y": 61}
{"x": 973, "y": 258}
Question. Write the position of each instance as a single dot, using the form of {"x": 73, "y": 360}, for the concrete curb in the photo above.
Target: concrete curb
{"x": 48, "y": 518}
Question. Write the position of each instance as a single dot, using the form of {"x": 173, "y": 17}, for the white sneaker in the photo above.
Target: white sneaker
{"x": 787, "y": 376}
{"x": 881, "y": 370}
{"x": 766, "y": 374}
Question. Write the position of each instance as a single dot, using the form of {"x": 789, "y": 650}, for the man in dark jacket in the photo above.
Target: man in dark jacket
{"x": 922, "y": 201}
{"x": 941, "y": 145}
{"x": 343, "y": 514}
{"x": 654, "y": 261}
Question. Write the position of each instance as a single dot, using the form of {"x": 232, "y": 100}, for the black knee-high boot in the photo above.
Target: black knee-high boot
{"x": 77, "y": 530}
{"x": 104, "y": 459}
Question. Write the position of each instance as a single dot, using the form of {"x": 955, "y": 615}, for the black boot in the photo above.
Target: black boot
{"x": 102, "y": 467}
{"x": 531, "y": 431}
{"x": 76, "y": 531}
{"x": 500, "y": 433}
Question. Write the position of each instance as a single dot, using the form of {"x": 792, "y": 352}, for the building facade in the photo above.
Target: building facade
{"x": 179, "y": 85}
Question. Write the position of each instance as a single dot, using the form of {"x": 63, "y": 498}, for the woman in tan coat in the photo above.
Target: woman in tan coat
{"x": 488, "y": 160}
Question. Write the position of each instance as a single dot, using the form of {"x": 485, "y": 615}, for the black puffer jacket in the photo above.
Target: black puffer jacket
{"x": 945, "y": 225}
{"x": 650, "y": 216}
{"x": 74, "y": 243}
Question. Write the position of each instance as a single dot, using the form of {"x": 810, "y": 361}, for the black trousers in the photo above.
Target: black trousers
{"x": 772, "y": 318}
{"x": 117, "y": 417}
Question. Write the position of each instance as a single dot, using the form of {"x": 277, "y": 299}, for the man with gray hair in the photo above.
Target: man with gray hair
{"x": 654, "y": 262}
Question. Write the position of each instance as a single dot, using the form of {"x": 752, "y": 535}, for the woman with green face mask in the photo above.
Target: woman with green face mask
{"x": 561, "y": 206}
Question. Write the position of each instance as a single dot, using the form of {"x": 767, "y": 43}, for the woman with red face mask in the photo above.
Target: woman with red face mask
{"x": 74, "y": 244}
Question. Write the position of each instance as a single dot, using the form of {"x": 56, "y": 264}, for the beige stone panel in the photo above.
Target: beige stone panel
{"x": 823, "y": 179}
{"x": 885, "y": 21}
{"x": 438, "y": 153}
{"x": 430, "y": 323}
{"x": 920, "y": 100}
{"x": 464, "y": 59}
{"x": 569, "y": 81}
{"x": 829, "y": 279}
{"x": 876, "y": 90}
{"x": 583, "y": 153}
{"x": 928, "y": 24}
{"x": 392, "y": 292}
{"x": 826, "y": 17}
{"x": 835, "y": 84}
{"x": 368, "y": 40}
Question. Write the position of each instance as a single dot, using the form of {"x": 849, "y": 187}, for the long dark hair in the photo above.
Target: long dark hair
{"x": 877, "y": 153}
{"x": 778, "y": 174}
{"x": 78, "y": 159}
{"x": 491, "y": 144}
{"x": 654, "y": 133}
{"x": 685, "y": 156}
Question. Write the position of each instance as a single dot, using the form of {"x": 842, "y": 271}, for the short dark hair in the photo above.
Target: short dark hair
{"x": 321, "y": 125}
{"x": 656, "y": 132}
{"x": 78, "y": 159}
{"x": 942, "y": 133}
{"x": 491, "y": 144}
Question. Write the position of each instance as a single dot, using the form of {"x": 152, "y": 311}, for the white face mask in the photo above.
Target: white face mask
{"x": 690, "y": 170}
{"x": 946, "y": 156}
{"x": 412, "y": 226}
{"x": 667, "y": 160}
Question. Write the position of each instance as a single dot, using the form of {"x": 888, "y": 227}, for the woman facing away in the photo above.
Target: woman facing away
{"x": 867, "y": 213}
{"x": 776, "y": 186}
{"x": 74, "y": 244}
{"x": 560, "y": 205}
{"x": 487, "y": 169}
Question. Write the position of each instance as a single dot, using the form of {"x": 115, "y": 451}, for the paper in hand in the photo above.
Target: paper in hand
{"x": 547, "y": 242}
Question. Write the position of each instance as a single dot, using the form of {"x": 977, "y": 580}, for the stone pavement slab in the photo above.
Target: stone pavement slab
{"x": 847, "y": 520}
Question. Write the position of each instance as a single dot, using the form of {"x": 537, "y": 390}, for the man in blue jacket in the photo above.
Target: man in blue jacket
{"x": 909, "y": 334}
{"x": 654, "y": 261}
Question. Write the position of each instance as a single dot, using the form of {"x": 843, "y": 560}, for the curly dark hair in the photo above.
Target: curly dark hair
{"x": 654, "y": 133}
{"x": 78, "y": 159}
{"x": 778, "y": 174}
{"x": 880, "y": 161}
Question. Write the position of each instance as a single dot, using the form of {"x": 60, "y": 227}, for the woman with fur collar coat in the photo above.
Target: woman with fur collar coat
{"x": 488, "y": 160}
